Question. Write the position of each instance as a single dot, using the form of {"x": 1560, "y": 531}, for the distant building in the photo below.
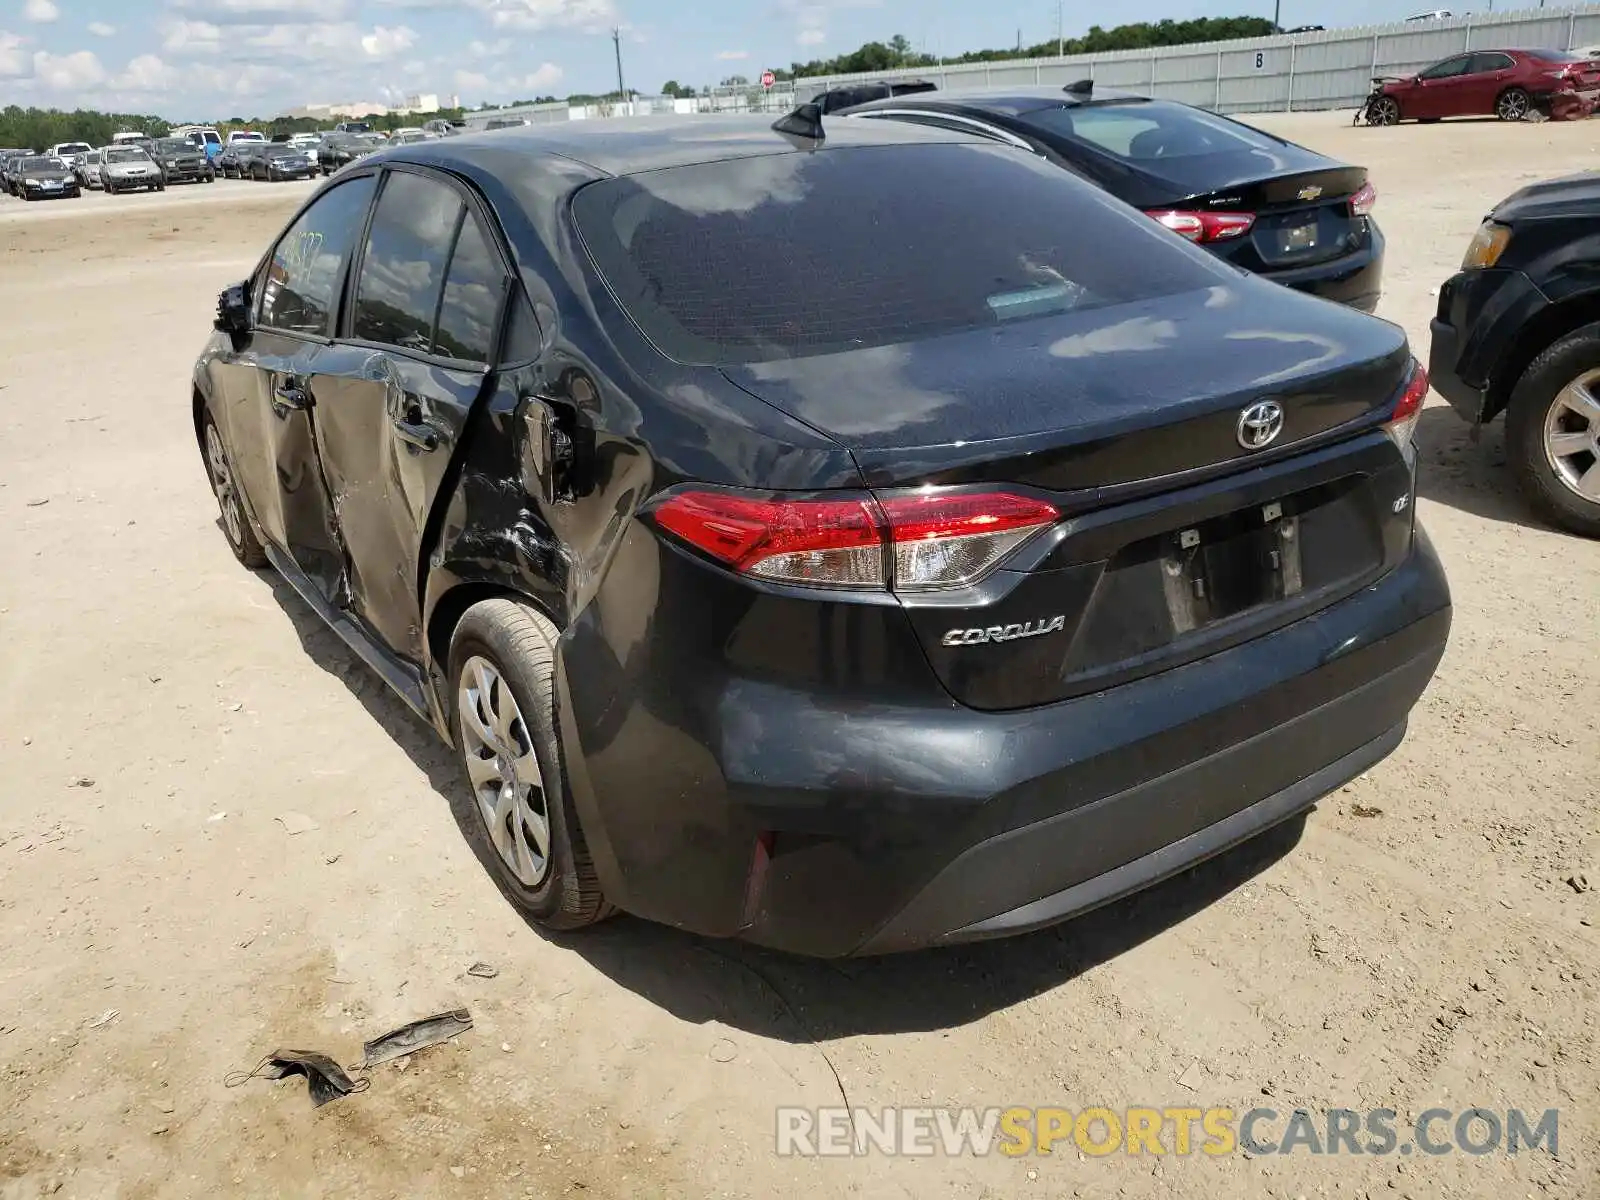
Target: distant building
{"x": 422, "y": 102}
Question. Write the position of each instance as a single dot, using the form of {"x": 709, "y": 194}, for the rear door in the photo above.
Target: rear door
{"x": 1486, "y": 77}
{"x": 395, "y": 391}
{"x": 264, "y": 394}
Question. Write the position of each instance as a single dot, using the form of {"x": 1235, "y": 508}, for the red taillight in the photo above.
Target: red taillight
{"x": 1403, "y": 417}
{"x": 1361, "y": 203}
{"x": 1205, "y": 226}
{"x": 908, "y": 542}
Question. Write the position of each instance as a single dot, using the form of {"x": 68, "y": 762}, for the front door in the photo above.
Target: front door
{"x": 270, "y": 404}
{"x": 394, "y": 392}
{"x": 1442, "y": 90}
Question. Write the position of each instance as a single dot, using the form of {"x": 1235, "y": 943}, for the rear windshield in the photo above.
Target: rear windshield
{"x": 1560, "y": 56}
{"x": 754, "y": 259}
{"x": 1149, "y": 129}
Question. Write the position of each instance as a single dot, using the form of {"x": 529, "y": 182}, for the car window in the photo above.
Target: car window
{"x": 402, "y": 271}
{"x": 301, "y": 290}
{"x": 1482, "y": 63}
{"x": 471, "y": 301}
{"x": 1449, "y": 68}
{"x": 1559, "y": 56}
{"x": 1149, "y": 129}
{"x": 756, "y": 259}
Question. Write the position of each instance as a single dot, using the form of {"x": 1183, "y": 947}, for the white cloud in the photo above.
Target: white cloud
{"x": 529, "y": 15}
{"x": 68, "y": 72}
{"x": 192, "y": 37}
{"x": 494, "y": 49}
{"x": 40, "y": 10}
{"x": 733, "y": 55}
{"x": 812, "y": 37}
{"x": 384, "y": 42}
{"x": 472, "y": 81}
{"x": 13, "y": 60}
{"x": 542, "y": 80}
{"x": 247, "y": 11}
{"x": 414, "y": 69}
{"x": 147, "y": 73}
{"x": 101, "y": 29}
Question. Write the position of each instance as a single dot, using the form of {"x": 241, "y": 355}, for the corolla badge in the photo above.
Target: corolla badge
{"x": 1260, "y": 424}
{"x": 1004, "y": 633}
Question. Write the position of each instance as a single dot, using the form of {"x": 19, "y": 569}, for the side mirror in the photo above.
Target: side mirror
{"x": 233, "y": 312}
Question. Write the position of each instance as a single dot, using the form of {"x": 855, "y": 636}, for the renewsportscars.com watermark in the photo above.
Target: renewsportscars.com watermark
{"x": 1098, "y": 1131}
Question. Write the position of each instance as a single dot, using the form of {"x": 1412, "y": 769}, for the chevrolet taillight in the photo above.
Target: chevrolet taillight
{"x": 913, "y": 541}
{"x": 1204, "y": 226}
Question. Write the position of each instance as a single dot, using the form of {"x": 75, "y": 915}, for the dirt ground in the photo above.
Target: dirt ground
{"x": 167, "y": 719}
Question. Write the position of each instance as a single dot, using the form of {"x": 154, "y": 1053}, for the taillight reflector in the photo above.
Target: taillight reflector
{"x": 1403, "y": 418}
{"x": 1205, "y": 226}
{"x": 1365, "y": 197}
{"x": 904, "y": 541}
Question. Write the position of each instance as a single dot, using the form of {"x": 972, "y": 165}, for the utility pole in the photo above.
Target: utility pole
{"x": 622, "y": 91}
{"x": 1061, "y": 39}
{"x": 1277, "y": 25}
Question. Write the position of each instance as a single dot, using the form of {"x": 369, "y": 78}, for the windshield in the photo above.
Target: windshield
{"x": 126, "y": 154}
{"x": 284, "y": 151}
{"x": 174, "y": 146}
{"x": 249, "y": 137}
{"x": 788, "y": 255}
{"x": 39, "y": 163}
{"x": 1139, "y": 130}
{"x": 75, "y": 148}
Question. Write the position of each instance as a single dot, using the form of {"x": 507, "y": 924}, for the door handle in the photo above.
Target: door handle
{"x": 288, "y": 396}
{"x": 413, "y": 430}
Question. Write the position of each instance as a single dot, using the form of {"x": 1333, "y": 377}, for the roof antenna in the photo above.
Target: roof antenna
{"x": 805, "y": 121}
{"x": 1083, "y": 87}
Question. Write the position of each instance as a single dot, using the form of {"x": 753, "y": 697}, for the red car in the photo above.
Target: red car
{"x": 1506, "y": 83}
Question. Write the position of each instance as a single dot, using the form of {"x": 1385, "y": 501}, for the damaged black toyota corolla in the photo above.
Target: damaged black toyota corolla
{"x": 848, "y": 543}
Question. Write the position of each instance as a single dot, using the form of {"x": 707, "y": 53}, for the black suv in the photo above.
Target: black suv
{"x": 1518, "y": 332}
{"x": 181, "y": 161}
{"x": 787, "y": 561}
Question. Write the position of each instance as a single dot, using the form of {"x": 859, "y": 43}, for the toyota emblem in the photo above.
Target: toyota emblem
{"x": 1260, "y": 424}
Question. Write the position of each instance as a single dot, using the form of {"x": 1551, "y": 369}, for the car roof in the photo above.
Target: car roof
{"x": 1008, "y": 101}
{"x": 623, "y": 146}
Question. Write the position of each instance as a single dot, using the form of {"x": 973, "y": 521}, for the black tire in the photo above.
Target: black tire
{"x": 239, "y": 532}
{"x": 1532, "y": 402}
{"x": 520, "y": 644}
{"x": 1513, "y": 104}
{"x": 1384, "y": 110}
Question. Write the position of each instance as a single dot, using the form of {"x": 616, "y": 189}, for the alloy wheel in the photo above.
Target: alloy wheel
{"x": 222, "y": 483}
{"x": 507, "y": 784}
{"x": 1572, "y": 436}
{"x": 1384, "y": 111}
{"x": 1513, "y": 106}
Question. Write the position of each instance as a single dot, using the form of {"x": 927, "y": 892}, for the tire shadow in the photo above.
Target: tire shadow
{"x": 1472, "y": 477}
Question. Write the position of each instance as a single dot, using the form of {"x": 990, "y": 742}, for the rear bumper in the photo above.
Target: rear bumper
{"x": 1355, "y": 280}
{"x": 829, "y": 825}
{"x": 1479, "y": 317}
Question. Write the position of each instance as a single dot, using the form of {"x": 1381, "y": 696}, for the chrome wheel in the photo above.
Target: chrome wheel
{"x": 1572, "y": 436}
{"x": 222, "y": 484}
{"x": 506, "y": 782}
{"x": 1384, "y": 111}
{"x": 1513, "y": 106}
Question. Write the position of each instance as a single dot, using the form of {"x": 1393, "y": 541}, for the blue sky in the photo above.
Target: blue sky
{"x": 219, "y": 58}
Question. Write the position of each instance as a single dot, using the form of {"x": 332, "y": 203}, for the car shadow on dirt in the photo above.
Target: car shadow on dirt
{"x": 801, "y": 1000}
{"x": 1470, "y": 476}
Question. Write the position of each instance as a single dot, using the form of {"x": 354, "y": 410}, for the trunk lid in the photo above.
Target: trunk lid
{"x": 1176, "y": 541}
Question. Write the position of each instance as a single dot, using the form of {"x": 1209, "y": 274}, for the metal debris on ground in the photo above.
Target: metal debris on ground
{"x": 325, "y": 1079}
{"x": 294, "y": 823}
{"x": 1365, "y": 810}
{"x": 104, "y": 1019}
{"x": 483, "y": 970}
{"x": 429, "y": 1031}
